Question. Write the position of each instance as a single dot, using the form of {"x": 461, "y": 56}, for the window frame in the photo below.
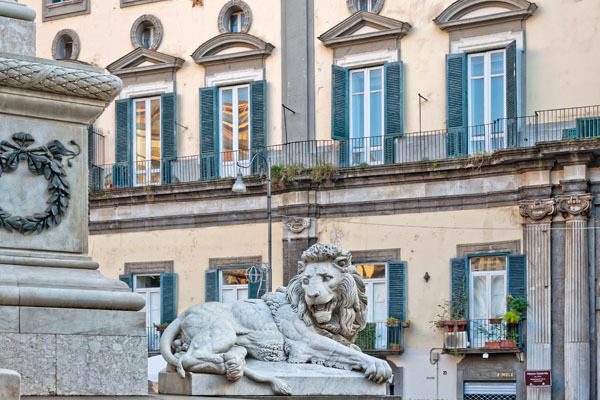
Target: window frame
{"x": 64, "y": 9}
{"x": 369, "y": 282}
{"x": 229, "y": 167}
{"x": 488, "y": 275}
{"x": 237, "y": 287}
{"x": 147, "y": 292}
{"x": 148, "y": 170}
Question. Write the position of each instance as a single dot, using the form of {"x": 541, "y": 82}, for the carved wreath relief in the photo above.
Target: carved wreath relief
{"x": 45, "y": 161}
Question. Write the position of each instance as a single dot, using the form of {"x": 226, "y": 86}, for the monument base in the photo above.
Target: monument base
{"x": 303, "y": 379}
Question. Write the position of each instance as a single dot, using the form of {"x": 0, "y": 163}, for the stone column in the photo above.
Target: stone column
{"x": 576, "y": 210}
{"x": 537, "y": 218}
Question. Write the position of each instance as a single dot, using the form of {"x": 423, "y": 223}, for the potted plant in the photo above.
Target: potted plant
{"x": 495, "y": 321}
{"x": 492, "y": 344}
{"x": 451, "y": 318}
{"x": 395, "y": 346}
{"x": 392, "y": 322}
{"x": 406, "y": 323}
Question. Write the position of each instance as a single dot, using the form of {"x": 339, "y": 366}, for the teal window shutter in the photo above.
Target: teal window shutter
{"x": 511, "y": 95}
{"x": 168, "y": 297}
{"x": 168, "y": 140}
{"x": 456, "y": 105}
{"x": 211, "y": 279}
{"x": 397, "y": 289}
{"x": 122, "y": 169}
{"x": 258, "y": 119}
{"x": 128, "y": 279}
{"x": 340, "y": 112}
{"x": 209, "y": 133}
{"x": 517, "y": 275}
{"x": 257, "y": 289}
{"x": 394, "y": 108}
{"x": 459, "y": 288}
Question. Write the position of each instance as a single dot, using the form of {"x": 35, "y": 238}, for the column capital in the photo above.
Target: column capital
{"x": 537, "y": 211}
{"x": 575, "y": 206}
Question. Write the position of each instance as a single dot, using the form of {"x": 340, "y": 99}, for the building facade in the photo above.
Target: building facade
{"x": 451, "y": 146}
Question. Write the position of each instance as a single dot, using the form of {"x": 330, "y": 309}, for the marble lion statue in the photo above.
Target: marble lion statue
{"x": 314, "y": 320}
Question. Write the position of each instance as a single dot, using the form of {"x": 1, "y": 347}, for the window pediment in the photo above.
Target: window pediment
{"x": 231, "y": 47}
{"x": 144, "y": 61}
{"x": 471, "y": 13}
{"x": 363, "y": 27}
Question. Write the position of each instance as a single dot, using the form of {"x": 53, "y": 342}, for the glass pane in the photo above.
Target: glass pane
{"x": 497, "y": 63}
{"x": 477, "y": 102}
{"x": 497, "y": 97}
{"x": 376, "y": 122}
{"x": 371, "y": 270}
{"x": 379, "y": 302}
{"x": 488, "y": 263}
{"x": 154, "y": 308}
{"x": 243, "y": 123}
{"x": 147, "y": 281}
{"x": 373, "y": 2}
{"x": 228, "y": 296}
{"x": 479, "y": 297}
{"x": 155, "y": 129}
{"x": 358, "y": 81}
{"x": 140, "y": 132}
{"x": 233, "y": 23}
{"x": 358, "y": 118}
{"x": 363, "y": 5}
{"x": 476, "y": 66}
{"x": 227, "y": 124}
{"x": 375, "y": 80}
{"x": 235, "y": 277}
{"x": 242, "y": 293}
{"x": 498, "y": 296}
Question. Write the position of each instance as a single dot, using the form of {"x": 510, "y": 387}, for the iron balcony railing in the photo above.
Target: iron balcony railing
{"x": 492, "y": 334}
{"x": 380, "y": 336}
{"x": 576, "y": 123}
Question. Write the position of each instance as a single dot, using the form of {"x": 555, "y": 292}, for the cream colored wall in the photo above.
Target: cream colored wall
{"x": 104, "y": 36}
{"x": 190, "y": 250}
{"x": 562, "y": 57}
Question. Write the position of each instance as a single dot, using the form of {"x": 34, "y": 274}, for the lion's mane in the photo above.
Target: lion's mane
{"x": 350, "y": 309}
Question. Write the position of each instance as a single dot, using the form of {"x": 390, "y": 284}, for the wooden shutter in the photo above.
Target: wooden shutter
{"x": 511, "y": 95}
{"x": 397, "y": 296}
{"x": 211, "y": 292}
{"x": 394, "y": 108}
{"x": 209, "y": 133}
{"x": 122, "y": 169}
{"x": 128, "y": 279}
{"x": 459, "y": 288}
{"x": 168, "y": 297}
{"x": 258, "y": 289}
{"x": 456, "y": 105}
{"x": 517, "y": 275}
{"x": 168, "y": 140}
{"x": 258, "y": 119}
{"x": 340, "y": 104}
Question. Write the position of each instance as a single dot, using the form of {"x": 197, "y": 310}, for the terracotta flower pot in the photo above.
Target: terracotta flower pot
{"x": 508, "y": 344}
{"x": 492, "y": 345}
{"x": 456, "y": 325}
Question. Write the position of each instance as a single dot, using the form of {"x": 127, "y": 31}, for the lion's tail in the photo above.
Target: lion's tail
{"x": 166, "y": 340}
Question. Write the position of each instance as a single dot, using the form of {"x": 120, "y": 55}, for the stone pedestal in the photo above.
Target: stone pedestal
{"x": 10, "y": 383}
{"x": 64, "y": 327}
{"x": 17, "y": 28}
{"x": 303, "y": 379}
{"x": 537, "y": 217}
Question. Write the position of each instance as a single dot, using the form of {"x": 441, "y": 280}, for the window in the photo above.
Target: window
{"x": 235, "y": 16}
{"x": 366, "y": 5}
{"x": 146, "y": 32}
{"x": 231, "y": 283}
{"x": 372, "y": 6}
{"x": 487, "y": 287}
{"x": 149, "y": 287}
{"x": 57, "y": 9}
{"x": 366, "y": 115}
{"x": 236, "y": 21}
{"x": 376, "y": 289}
{"x": 487, "y": 104}
{"x": 147, "y": 36}
{"x": 66, "y": 45}
{"x": 235, "y": 128}
{"x": 234, "y": 285}
{"x": 147, "y": 141}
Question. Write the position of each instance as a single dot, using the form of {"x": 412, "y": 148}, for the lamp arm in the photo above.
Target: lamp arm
{"x": 249, "y": 163}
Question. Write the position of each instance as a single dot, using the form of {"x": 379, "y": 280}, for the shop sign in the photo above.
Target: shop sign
{"x": 538, "y": 378}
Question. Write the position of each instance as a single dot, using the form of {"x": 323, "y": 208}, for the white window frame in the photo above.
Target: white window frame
{"x": 238, "y": 21}
{"x": 229, "y": 168}
{"x": 369, "y": 5}
{"x": 488, "y": 275}
{"x": 360, "y": 150}
{"x": 381, "y": 333}
{"x": 235, "y": 288}
{"x": 147, "y": 171}
{"x": 491, "y": 130}
{"x": 146, "y": 293}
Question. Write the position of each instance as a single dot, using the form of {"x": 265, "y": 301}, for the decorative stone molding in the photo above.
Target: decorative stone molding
{"x": 575, "y": 206}
{"x": 221, "y": 262}
{"x": 537, "y": 210}
{"x": 297, "y": 224}
{"x": 215, "y": 49}
{"x": 353, "y": 6}
{"x": 150, "y": 267}
{"x": 511, "y": 246}
{"x": 453, "y": 17}
{"x": 14, "y": 10}
{"x": 129, "y": 3}
{"x": 55, "y": 77}
{"x": 64, "y": 9}
{"x": 58, "y": 42}
{"x": 233, "y": 6}
{"x": 144, "y": 61}
{"x": 137, "y": 27}
{"x": 347, "y": 32}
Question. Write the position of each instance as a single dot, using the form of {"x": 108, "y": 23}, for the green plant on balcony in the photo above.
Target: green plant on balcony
{"x": 366, "y": 338}
{"x": 451, "y": 315}
{"x": 395, "y": 346}
{"x": 283, "y": 175}
{"x": 391, "y": 321}
{"x": 323, "y": 173}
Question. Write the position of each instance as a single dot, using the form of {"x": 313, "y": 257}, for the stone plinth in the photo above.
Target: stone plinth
{"x": 303, "y": 379}
{"x": 17, "y": 28}
{"x": 10, "y": 384}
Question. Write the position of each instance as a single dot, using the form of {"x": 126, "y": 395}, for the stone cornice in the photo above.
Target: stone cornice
{"x": 131, "y": 63}
{"x": 575, "y": 206}
{"x": 57, "y": 77}
{"x": 343, "y": 33}
{"x": 209, "y": 52}
{"x": 451, "y": 18}
{"x": 537, "y": 211}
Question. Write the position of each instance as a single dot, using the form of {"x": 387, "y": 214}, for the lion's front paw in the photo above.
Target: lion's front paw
{"x": 234, "y": 369}
{"x": 280, "y": 387}
{"x": 378, "y": 371}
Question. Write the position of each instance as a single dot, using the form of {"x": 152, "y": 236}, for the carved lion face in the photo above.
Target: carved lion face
{"x": 320, "y": 282}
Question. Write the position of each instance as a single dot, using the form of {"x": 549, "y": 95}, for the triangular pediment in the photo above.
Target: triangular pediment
{"x": 146, "y": 61}
{"x": 472, "y": 13}
{"x": 362, "y": 27}
{"x": 231, "y": 47}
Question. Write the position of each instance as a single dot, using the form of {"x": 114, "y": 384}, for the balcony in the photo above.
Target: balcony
{"x": 484, "y": 336}
{"x": 380, "y": 339}
{"x": 472, "y": 142}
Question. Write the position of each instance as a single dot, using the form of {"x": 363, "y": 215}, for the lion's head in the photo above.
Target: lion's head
{"x": 328, "y": 293}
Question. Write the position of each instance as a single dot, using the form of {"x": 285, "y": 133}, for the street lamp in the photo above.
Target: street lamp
{"x": 240, "y": 187}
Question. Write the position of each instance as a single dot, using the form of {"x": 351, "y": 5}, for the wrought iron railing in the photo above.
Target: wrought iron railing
{"x": 576, "y": 123}
{"x": 380, "y": 336}
{"x": 485, "y": 334}
{"x": 153, "y": 339}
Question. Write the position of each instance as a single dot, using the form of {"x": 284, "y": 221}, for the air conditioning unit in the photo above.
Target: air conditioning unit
{"x": 456, "y": 340}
